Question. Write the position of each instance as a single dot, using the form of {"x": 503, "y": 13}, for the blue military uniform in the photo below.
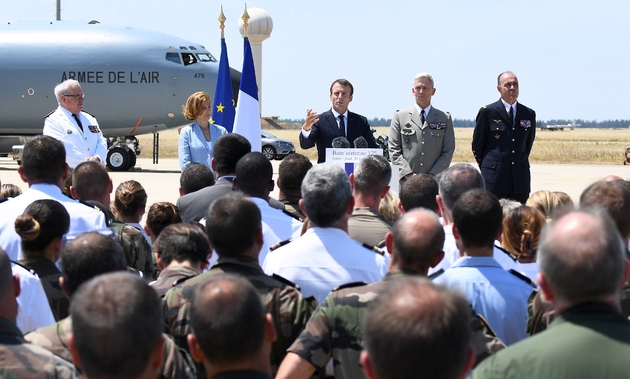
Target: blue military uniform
{"x": 498, "y": 295}
{"x": 502, "y": 149}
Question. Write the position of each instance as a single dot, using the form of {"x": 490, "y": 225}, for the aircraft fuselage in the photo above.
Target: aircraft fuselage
{"x": 135, "y": 81}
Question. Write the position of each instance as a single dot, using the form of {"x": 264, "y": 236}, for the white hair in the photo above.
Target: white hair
{"x": 65, "y": 88}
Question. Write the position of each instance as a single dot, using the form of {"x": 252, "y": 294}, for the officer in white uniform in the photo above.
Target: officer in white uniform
{"x": 78, "y": 130}
{"x": 44, "y": 168}
{"x": 325, "y": 257}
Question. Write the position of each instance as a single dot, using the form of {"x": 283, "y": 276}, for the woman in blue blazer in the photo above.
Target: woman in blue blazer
{"x": 196, "y": 140}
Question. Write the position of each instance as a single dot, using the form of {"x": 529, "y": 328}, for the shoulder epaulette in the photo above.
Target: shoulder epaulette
{"x": 512, "y": 256}
{"x": 436, "y": 274}
{"x": 291, "y": 214}
{"x": 349, "y": 285}
{"x": 381, "y": 244}
{"x": 83, "y": 110}
{"x": 485, "y": 324}
{"x": 523, "y": 278}
{"x": 375, "y": 249}
{"x": 90, "y": 205}
{"x": 26, "y": 268}
{"x": 279, "y": 245}
{"x": 285, "y": 281}
{"x": 49, "y": 114}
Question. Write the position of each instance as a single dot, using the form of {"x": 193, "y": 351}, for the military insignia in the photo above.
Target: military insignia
{"x": 496, "y": 136}
{"x": 526, "y": 124}
{"x": 497, "y": 121}
{"x": 437, "y": 125}
{"x": 94, "y": 128}
{"x": 69, "y": 131}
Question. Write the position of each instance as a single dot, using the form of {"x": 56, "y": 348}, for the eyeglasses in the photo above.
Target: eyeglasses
{"x": 79, "y": 96}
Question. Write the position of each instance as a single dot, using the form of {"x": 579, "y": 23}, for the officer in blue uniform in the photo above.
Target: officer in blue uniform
{"x": 502, "y": 140}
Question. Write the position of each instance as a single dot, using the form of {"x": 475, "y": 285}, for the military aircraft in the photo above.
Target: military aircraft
{"x": 135, "y": 80}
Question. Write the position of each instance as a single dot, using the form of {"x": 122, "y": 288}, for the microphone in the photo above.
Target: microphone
{"x": 360, "y": 143}
{"x": 340, "y": 143}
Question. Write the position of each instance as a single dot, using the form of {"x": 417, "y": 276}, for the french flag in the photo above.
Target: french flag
{"x": 247, "y": 120}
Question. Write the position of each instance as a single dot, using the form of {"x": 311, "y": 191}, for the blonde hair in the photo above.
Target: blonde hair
{"x": 192, "y": 109}
{"x": 389, "y": 206}
{"x": 546, "y": 202}
{"x": 130, "y": 197}
{"x": 521, "y": 230}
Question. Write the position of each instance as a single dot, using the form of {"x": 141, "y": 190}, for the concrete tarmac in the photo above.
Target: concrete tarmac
{"x": 161, "y": 181}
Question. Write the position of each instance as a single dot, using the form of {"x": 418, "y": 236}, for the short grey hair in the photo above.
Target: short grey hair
{"x": 372, "y": 175}
{"x": 456, "y": 180}
{"x": 424, "y": 75}
{"x": 65, "y": 88}
{"x": 581, "y": 256}
{"x": 326, "y": 192}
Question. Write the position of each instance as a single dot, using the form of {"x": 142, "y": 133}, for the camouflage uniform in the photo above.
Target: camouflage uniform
{"x": 334, "y": 330}
{"x": 281, "y": 298}
{"x": 20, "y": 359}
{"x": 176, "y": 363}
{"x": 171, "y": 276}
{"x": 49, "y": 276}
{"x": 137, "y": 250}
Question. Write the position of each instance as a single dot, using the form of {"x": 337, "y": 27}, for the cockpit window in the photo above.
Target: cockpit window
{"x": 189, "y": 59}
{"x": 173, "y": 57}
{"x": 206, "y": 57}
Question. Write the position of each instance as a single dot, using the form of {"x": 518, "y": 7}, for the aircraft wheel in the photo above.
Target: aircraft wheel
{"x": 269, "y": 152}
{"x": 132, "y": 159}
{"x": 118, "y": 159}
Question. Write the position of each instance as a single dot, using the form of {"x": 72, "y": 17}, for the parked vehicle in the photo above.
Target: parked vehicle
{"x": 274, "y": 147}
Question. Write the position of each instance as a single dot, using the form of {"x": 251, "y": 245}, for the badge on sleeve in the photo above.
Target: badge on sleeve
{"x": 526, "y": 124}
{"x": 94, "y": 128}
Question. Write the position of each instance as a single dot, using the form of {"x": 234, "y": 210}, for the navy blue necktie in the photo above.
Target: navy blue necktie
{"x": 78, "y": 121}
{"x": 342, "y": 126}
{"x": 511, "y": 116}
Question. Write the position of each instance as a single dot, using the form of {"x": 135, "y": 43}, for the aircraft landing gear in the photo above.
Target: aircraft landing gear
{"x": 118, "y": 159}
{"x": 121, "y": 155}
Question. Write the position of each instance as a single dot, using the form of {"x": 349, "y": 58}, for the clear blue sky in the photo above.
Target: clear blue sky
{"x": 571, "y": 56}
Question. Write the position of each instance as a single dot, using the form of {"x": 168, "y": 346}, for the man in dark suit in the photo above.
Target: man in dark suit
{"x": 502, "y": 140}
{"x": 228, "y": 149}
{"x": 336, "y": 122}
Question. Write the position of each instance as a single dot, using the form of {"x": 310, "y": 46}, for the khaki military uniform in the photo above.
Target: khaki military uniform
{"x": 368, "y": 226}
{"x": 291, "y": 205}
{"x": 22, "y": 360}
{"x": 176, "y": 364}
{"x": 334, "y": 330}
{"x": 280, "y": 298}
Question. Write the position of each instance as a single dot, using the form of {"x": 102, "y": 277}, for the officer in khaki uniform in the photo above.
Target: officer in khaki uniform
{"x": 421, "y": 138}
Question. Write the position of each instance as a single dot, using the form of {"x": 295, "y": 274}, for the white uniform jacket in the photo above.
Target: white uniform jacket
{"x": 79, "y": 144}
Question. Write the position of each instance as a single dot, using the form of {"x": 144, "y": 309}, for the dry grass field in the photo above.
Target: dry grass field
{"x": 578, "y": 146}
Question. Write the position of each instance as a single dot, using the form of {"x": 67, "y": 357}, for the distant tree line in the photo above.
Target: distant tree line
{"x": 464, "y": 123}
